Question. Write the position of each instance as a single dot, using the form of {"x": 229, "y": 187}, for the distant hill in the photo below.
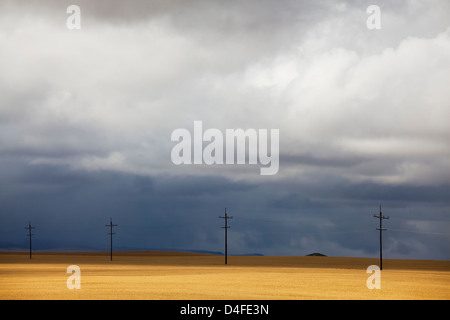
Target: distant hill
{"x": 316, "y": 254}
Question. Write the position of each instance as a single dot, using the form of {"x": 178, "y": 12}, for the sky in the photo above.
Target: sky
{"x": 87, "y": 115}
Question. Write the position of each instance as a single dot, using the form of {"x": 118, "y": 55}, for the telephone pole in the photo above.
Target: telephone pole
{"x": 226, "y": 217}
{"x": 111, "y": 225}
{"x": 381, "y": 217}
{"x": 29, "y": 233}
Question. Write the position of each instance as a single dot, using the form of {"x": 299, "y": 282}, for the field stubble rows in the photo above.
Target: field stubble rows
{"x": 180, "y": 276}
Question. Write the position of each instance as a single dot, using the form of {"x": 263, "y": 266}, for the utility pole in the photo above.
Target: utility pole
{"x": 111, "y": 225}
{"x": 381, "y": 217}
{"x": 29, "y": 233}
{"x": 226, "y": 228}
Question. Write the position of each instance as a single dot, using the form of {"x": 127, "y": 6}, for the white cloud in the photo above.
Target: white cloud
{"x": 333, "y": 88}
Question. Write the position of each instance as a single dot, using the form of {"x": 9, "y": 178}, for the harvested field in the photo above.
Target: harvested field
{"x": 180, "y": 276}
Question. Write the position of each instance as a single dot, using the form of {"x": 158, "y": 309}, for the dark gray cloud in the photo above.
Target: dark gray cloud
{"x": 70, "y": 209}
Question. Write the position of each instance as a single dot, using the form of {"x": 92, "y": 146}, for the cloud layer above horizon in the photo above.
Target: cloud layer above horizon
{"x": 86, "y": 118}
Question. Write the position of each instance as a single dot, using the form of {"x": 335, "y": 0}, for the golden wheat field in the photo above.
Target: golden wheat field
{"x": 186, "y": 276}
